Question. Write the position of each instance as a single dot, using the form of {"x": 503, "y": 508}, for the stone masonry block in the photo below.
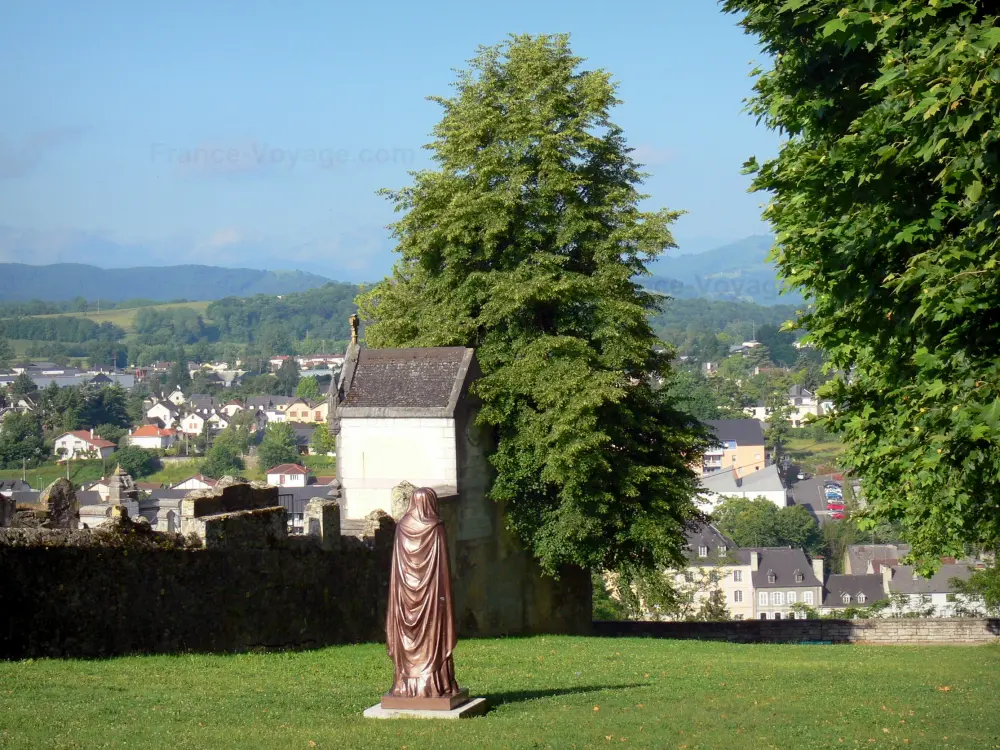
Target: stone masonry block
{"x": 322, "y": 521}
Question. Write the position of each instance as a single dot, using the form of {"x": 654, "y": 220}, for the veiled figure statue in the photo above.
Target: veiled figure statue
{"x": 420, "y": 626}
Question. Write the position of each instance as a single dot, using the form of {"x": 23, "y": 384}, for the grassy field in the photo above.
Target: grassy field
{"x": 41, "y": 476}
{"x": 125, "y": 317}
{"x": 545, "y": 692}
{"x": 813, "y": 456}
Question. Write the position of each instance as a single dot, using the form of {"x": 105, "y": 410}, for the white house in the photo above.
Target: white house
{"x": 218, "y": 421}
{"x": 192, "y": 424}
{"x": 177, "y": 398}
{"x": 288, "y": 475}
{"x": 718, "y": 486}
{"x": 231, "y": 408}
{"x": 197, "y": 482}
{"x": 805, "y": 407}
{"x": 932, "y": 597}
{"x": 82, "y": 444}
{"x": 164, "y": 412}
{"x": 152, "y": 437}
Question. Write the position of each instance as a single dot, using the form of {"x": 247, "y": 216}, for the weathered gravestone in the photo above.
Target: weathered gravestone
{"x": 59, "y": 500}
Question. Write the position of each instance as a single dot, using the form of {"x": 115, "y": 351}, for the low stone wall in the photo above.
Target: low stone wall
{"x": 889, "y": 631}
{"x": 98, "y": 593}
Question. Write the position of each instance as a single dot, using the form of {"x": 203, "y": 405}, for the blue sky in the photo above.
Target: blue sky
{"x": 256, "y": 133}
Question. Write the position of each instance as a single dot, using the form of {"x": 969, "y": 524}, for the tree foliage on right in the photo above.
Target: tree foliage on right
{"x": 886, "y": 202}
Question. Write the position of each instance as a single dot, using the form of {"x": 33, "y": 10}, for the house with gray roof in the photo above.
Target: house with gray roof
{"x": 843, "y": 590}
{"x": 869, "y": 558}
{"x": 783, "y": 577}
{"x": 720, "y": 485}
{"x": 715, "y": 562}
{"x": 932, "y": 597}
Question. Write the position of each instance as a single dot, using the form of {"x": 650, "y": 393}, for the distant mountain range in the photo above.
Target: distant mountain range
{"x": 65, "y": 281}
{"x": 738, "y": 271}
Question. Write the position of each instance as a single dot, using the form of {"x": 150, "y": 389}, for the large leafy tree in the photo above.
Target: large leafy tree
{"x": 885, "y": 201}
{"x": 761, "y": 523}
{"x": 525, "y": 242}
{"x": 278, "y": 446}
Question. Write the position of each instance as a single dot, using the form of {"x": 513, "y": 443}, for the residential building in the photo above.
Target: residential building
{"x": 218, "y": 421}
{"x": 715, "y": 562}
{"x": 177, "y": 397}
{"x": 843, "y": 590}
{"x": 304, "y": 410}
{"x": 931, "y": 597}
{"x": 152, "y": 437}
{"x": 288, "y": 475}
{"x": 9, "y": 486}
{"x": 196, "y": 482}
{"x": 804, "y": 404}
{"x": 82, "y": 444}
{"x": 782, "y": 577}
{"x": 869, "y": 558}
{"x": 720, "y": 485}
{"x": 231, "y": 408}
{"x": 165, "y": 413}
{"x": 740, "y": 447}
{"x": 192, "y": 424}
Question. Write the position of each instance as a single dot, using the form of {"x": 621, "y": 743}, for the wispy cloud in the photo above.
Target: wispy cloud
{"x": 20, "y": 158}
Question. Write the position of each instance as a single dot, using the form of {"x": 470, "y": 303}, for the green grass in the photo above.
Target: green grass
{"x": 556, "y": 692}
{"x": 125, "y": 317}
{"x": 813, "y": 456}
{"x": 41, "y": 476}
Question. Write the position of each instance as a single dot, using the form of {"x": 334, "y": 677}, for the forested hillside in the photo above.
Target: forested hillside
{"x": 66, "y": 281}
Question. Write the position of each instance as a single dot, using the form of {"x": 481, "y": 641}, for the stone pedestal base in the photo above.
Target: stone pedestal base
{"x": 474, "y": 707}
{"x": 439, "y": 703}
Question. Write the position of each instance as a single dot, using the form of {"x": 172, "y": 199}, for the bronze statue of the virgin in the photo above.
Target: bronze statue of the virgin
{"x": 420, "y": 626}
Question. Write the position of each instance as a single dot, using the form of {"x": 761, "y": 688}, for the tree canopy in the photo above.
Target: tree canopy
{"x": 886, "y": 198}
{"x": 761, "y": 523}
{"x": 278, "y": 446}
{"x": 524, "y": 242}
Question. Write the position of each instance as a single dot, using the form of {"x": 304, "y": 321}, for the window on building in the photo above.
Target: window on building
{"x": 791, "y": 597}
{"x": 702, "y": 551}
{"x": 771, "y": 578}
{"x": 738, "y": 597}
{"x": 756, "y": 457}
{"x": 689, "y": 576}
{"x": 762, "y": 598}
{"x": 722, "y": 550}
{"x": 862, "y": 598}
{"x": 777, "y": 615}
{"x": 737, "y": 576}
{"x": 777, "y": 598}
{"x": 947, "y": 597}
{"x": 807, "y": 597}
{"x": 846, "y": 598}
{"x": 763, "y": 615}
{"x": 737, "y": 617}
{"x": 799, "y": 577}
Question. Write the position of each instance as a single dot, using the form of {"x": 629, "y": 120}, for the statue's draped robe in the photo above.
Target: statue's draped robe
{"x": 420, "y": 627}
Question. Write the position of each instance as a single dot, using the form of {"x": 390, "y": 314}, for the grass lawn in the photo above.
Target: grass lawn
{"x": 40, "y": 477}
{"x": 813, "y": 456}
{"x": 557, "y": 692}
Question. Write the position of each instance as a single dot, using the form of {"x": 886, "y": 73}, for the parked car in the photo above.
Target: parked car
{"x": 838, "y": 514}
{"x": 831, "y": 484}
{"x": 801, "y": 475}
{"x": 833, "y": 496}
{"x": 834, "y": 506}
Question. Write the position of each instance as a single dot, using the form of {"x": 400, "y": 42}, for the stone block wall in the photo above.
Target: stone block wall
{"x": 98, "y": 593}
{"x": 889, "y": 631}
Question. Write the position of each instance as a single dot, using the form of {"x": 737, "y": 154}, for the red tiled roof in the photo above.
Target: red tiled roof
{"x": 150, "y": 430}
{"x": 288, "y": 469}
{"x": 93, "y": 440}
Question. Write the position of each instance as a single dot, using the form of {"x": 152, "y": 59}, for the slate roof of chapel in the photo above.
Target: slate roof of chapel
{"x": 421, "y": 378}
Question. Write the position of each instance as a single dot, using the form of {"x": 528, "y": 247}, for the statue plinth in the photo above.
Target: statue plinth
{"x": 438, "y": 703}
